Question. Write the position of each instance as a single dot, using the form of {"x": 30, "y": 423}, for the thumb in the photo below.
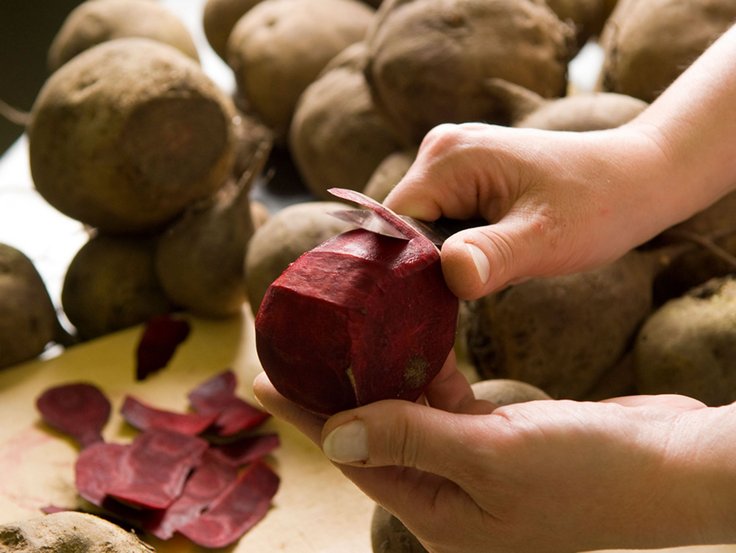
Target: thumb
{"x": 481, "y": 260}
{"x": 401, "y": 433}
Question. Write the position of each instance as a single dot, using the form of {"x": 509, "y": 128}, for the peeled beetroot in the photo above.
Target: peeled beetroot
{"x": 360, "y": 318}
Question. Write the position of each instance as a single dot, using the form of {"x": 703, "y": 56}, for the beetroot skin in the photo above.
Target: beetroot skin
{"x": 360, "y": 318}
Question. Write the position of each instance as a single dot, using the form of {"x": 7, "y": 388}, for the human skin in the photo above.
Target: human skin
{"x": 566, "y": 202}
{"x": 553, "y": 476}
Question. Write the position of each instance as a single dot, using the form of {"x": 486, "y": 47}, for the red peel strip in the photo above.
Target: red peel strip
{"x": 79, "y": 410}
{"x": 249, "y": 449}
{"x": 239, "y": 416}
{"x": 96, "y": 470}
{"x": 237, "y": 510}
{"x": 161, "y": 336}
{"x": 234, "y": 415}
{"x": 379, "y": 209}
{"x": 154, "y": 468}
{"x": 210, "y": 396}
{"x": 144, "y": 417}
{"x": 208, "y": 481}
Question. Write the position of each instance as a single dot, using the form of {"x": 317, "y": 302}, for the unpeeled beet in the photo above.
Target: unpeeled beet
{"x": 361, "y": 318}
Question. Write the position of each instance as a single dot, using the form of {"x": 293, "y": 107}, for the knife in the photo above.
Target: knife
{"x": 375, "y": 217}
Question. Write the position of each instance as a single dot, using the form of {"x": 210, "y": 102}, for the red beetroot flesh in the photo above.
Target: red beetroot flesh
{"x": 208, "y": 481}
{"x": 243, "y": 504}
{"x": 161, "y": 336}
{"x": 360, "y": 318}
{"x": 96, "y": 469}
{"x": 213, "y": 393}
{"x": 79, "y": 410}
{"x": 248, "y": 449}
{"x": 152, "y": 470}
{"x": 143, "y": 417}
{"x": 217, "y": 396}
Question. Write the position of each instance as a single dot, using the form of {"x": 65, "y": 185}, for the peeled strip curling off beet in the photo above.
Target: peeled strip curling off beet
{"x": 360, "y": 318}
{"x": 78, "y": 409}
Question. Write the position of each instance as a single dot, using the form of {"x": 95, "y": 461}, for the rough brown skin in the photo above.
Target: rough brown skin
{"x": 200, "y": 259}
{"x": 127, "y": 134}
{"x": 712, "y": 235}
{"x": 286, "y": 235}
{"x": 28, "y": 320}
{"x": 429, "y": 59}
{"x": 280, "y": 46}
{"x": 337, "y": 137}
{"x": 562, "y": 334}
{"x": 388, "y": 173}
{"x": 111, "y": 284}
{"x": 638, "y": 61}
{"x": 69, "y": 532}
{"x": 587, "y": 16}
{"x": 504, "y": 391}
{"x": 218, "y": 19}
{"x": 584, "y": 112}
{"x": 91, "y": 23}
{"x": 688, "y": 346}
{"x": 389, "y": 535}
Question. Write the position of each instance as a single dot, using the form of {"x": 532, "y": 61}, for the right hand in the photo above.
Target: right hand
{"x": 557, "y": 202}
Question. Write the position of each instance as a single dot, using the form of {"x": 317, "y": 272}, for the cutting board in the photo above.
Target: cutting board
{"x": 316, "y": 510}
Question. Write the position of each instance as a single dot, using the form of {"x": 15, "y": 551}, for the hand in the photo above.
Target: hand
{"x": 559, "y": 202}
{"x": 544, "y": 476}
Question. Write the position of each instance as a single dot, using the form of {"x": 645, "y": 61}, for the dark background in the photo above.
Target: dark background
{"x": 26, "y": 30}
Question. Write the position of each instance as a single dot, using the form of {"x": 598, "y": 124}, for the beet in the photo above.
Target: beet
{"x": 153, "y": 469}
{"x": 79, "y": 410}
{"x": 206, "y": 483}
{"x": 236, "y": 510}
{"x": 360, "y": 318}
{"x": 161, "y": 336}
{"x": 144, "y": 417}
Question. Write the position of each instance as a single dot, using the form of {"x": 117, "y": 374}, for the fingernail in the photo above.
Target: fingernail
{"x": 480, "y": 260}
{"x": 347, "y": 443}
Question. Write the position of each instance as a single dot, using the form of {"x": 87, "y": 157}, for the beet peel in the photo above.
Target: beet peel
{"x": 161, "y": 337}
{"x": 360, "y": 318}
{"x": 77, "y": 409}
